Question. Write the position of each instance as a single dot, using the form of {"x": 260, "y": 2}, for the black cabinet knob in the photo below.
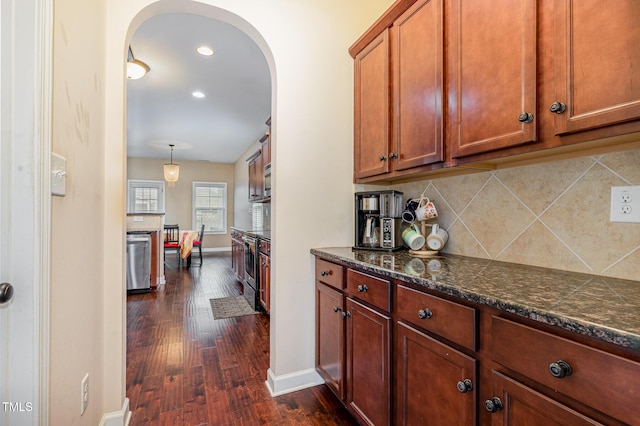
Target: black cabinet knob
{"x": 393, "y": 155}
{"x": 6, "y": 292}
{"x": 346, "y": 314}
{"x": 558, "y": 107}
{"x": 494, "y": 404}
{"x": 425, "y": 313}
{"x": 362, "y": 288}
{"x": 383, "y": 158}
{"x": 325, "y": 273}
{"x": 465, "y": 385}
{"x": 525, "y": 117}
{"x": 560, "y": 369}
{"x": 336, "y": 309}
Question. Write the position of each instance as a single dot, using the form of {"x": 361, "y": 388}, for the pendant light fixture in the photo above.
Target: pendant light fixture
{"x": 171, "y": 171}
{"x": 135, "y": 68}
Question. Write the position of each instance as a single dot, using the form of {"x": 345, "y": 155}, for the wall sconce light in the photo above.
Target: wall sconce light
{"x": 171, "y": 171}
{"x": 135, "y": 68}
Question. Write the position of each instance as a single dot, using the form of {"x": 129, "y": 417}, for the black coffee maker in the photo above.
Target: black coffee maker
{"x": 377, "y": 220}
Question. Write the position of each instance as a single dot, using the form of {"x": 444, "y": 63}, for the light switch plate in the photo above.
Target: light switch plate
{"x": 625, "y": 204}
{"x": 58, "y": 175}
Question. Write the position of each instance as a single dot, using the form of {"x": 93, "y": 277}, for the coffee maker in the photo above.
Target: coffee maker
{"x": 378, "y": 215}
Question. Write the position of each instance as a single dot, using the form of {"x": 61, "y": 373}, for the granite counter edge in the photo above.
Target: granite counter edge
{"x": 597, "y": 331}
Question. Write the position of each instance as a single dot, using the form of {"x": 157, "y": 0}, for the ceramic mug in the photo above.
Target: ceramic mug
{"x": 413, "y": 238}
{"x": 437, "y": 238}
{"x": 409, "y": 213}
{"x": 425, "y": 210}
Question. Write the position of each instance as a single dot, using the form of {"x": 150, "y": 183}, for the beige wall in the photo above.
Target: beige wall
{"x": 178, "y": 199}
{"x": 312, "y": 117}
{"x": 554, "y": 215}
{"x": 77, "y": 318}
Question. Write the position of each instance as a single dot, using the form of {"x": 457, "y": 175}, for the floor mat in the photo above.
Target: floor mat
{"x": 228, "y": 307}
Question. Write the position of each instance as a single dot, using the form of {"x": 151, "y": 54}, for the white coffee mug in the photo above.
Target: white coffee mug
{"x": 437, "y": 238}
{"x": 425, "y": 210}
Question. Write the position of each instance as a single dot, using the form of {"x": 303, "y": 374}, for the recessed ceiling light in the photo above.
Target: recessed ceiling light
{"x": 198, "y": 94}
{"x": 205, "y": 50}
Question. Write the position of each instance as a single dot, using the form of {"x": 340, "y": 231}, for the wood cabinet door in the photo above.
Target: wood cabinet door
{"x": 596, "y": 54}
{"x": 371, "y": 115}
{"x": 428, "y": 374}
{"x": 368, "y": 364}
{"x": 522, "y": 406}
{"x": 418, "y": 85}
{"x": 330, "y": 337}
{"x": 491, "y": 74}
{"x": 265, "y": 281}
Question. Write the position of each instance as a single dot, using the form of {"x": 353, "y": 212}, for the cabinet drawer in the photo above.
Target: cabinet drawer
{"x": 452, "y": 321}
{"x": 370, "y": 289}
{"x": 329, "y": 273}
{"x": 606, "y": 382}
{"x": 265, "y": 247}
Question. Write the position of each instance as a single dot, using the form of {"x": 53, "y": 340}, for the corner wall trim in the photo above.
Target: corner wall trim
{"x": 298, "y": 380}
{"x": 117, "y": 418}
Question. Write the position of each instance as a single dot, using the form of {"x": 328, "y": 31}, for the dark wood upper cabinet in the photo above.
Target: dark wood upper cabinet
{"x": 596, "y": 58}
{"x": 371, "y": 147}
{"x": 418, "y": 84}
{"x": 492, "y": 75}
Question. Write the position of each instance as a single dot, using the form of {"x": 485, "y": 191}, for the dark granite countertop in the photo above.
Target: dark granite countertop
{"x": 601, "y": 307}
{"x": 258, "y": 233}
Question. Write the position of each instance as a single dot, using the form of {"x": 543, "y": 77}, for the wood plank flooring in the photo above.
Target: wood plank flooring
{"x": 185, "y": 368}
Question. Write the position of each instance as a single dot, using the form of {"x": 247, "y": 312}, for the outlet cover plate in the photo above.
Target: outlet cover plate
{"x": 625, "y": 204}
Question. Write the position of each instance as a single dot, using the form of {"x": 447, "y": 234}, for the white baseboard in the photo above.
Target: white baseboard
{"x": 286, "y": 383}
{"x": 117, "y": 418}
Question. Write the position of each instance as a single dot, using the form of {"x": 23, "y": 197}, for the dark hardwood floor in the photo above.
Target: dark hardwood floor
{"x": 185, "y": 368}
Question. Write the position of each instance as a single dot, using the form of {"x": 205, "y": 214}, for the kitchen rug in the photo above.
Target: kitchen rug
{"x": 229, "y": 307}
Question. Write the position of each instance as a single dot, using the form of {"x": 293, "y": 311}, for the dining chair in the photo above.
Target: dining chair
{"x": 198, "y": 243}
{"x": 172, "y": 241}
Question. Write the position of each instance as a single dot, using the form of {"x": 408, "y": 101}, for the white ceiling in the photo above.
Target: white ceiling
{"x": 161, "y": 109}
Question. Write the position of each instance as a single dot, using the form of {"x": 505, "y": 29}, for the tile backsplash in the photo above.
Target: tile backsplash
{"x": 554, "y": 215}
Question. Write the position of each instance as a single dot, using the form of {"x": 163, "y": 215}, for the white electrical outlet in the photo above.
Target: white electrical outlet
{"x": 84, "y": 393}
{"x": 625, "y": 204}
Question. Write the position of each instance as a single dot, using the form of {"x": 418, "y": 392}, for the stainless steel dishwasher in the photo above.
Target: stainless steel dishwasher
{"x": 138, "y": 262}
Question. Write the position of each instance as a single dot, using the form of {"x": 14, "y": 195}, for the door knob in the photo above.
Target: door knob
{"x": 6, "y": 292}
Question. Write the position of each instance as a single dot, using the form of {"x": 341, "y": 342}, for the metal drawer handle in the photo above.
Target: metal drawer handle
{"x": 362, "y": 288}
{"x": 325, "y": 273}
{"x": 425, "y": 313}
{"x": 560, "y": 369}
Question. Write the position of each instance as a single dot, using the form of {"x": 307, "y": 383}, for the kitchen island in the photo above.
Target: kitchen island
{"x": 491, "y": 341}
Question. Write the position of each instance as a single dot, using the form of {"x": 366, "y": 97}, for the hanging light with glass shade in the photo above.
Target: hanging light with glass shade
{"x": 135, "y": 68}
{"x": 171, "y": 171}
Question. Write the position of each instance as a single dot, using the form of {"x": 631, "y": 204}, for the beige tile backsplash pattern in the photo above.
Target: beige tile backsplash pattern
{"x": 554, "y": 215}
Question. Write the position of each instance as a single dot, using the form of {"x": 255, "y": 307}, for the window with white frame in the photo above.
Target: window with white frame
{"x": 210, "y": 207}
{"x": 145, "y": 196}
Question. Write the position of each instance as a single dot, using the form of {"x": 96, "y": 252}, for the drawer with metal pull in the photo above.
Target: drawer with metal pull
{"x": 450, "y": 320}
{"x": 604, "y": 381}
{"x": 373, "y": 290}
{"x": 329, "y": 273}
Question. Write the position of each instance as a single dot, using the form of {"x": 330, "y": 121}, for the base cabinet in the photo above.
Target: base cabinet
{"x": 514, "y": 404}
{"x": 435, "y": 384}
{"x": 330, "y": 337}
{"x": 396, "y": 353}
{"x": 368, "y": 363}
